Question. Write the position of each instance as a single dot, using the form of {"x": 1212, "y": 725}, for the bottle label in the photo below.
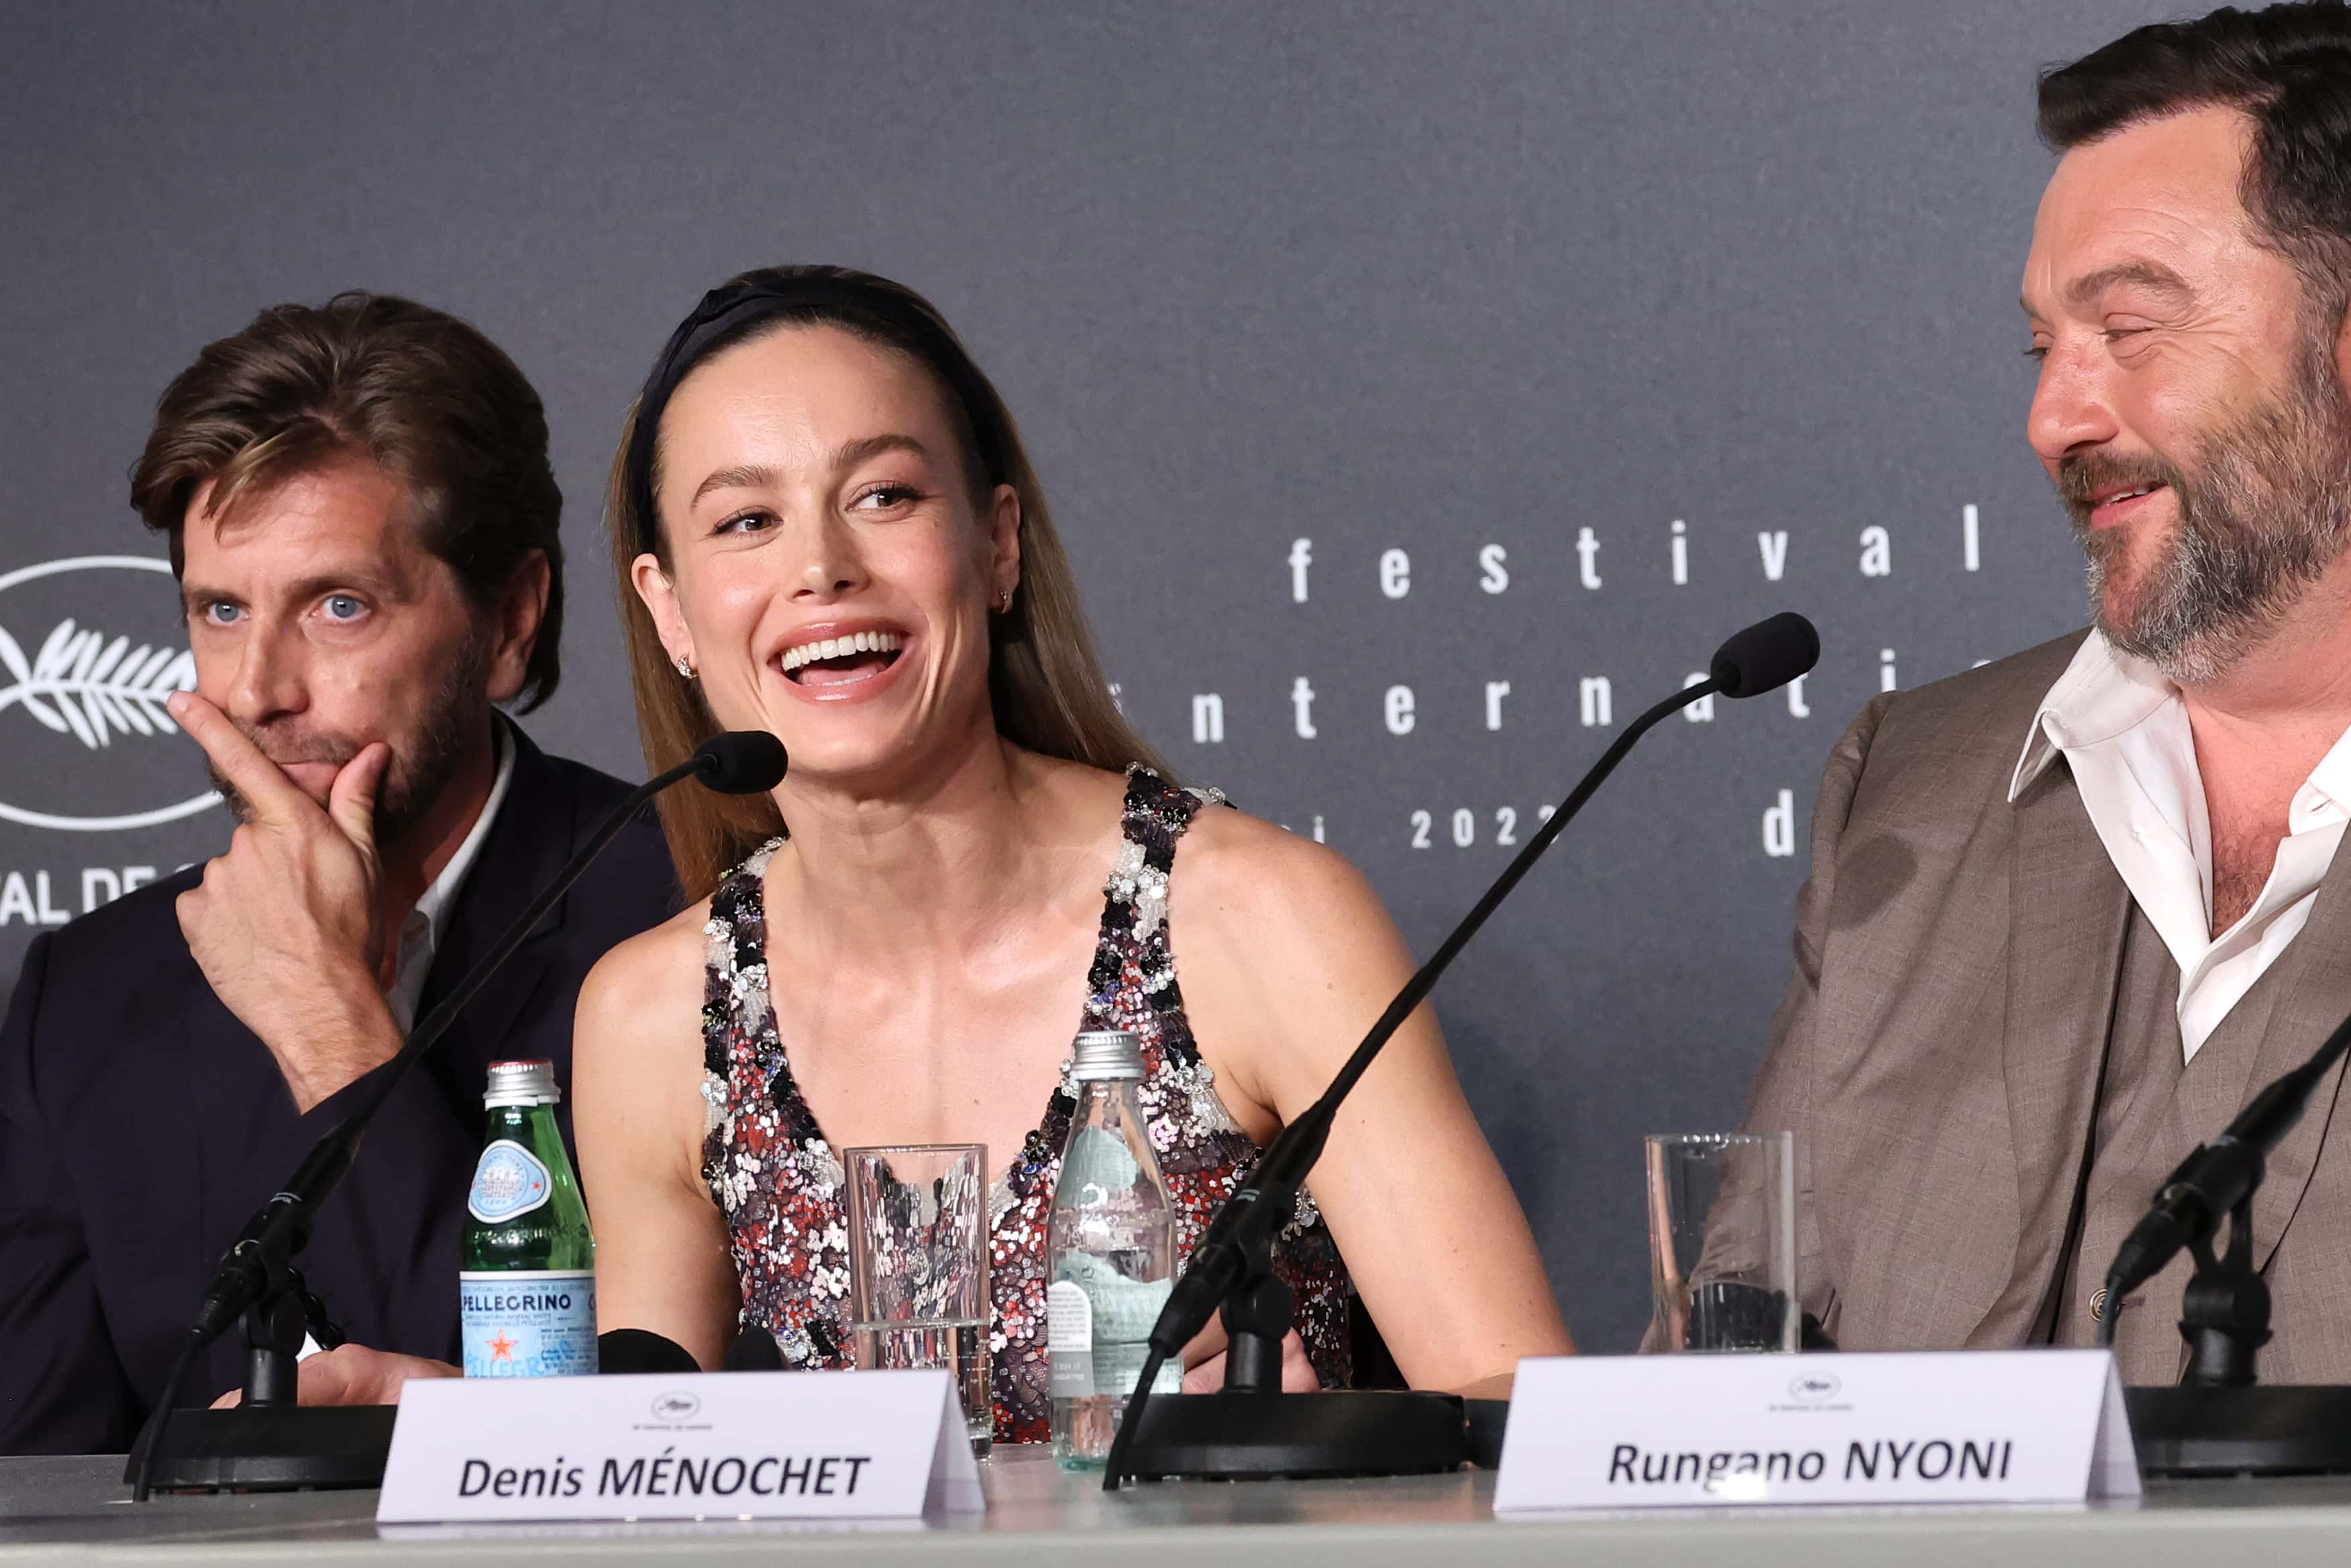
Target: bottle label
{"x": 1100, "y": 1347}
{"x": 528, "y": 1322}
{"x": 1069, "y": 1339}
{"x": 509, "y": 1181}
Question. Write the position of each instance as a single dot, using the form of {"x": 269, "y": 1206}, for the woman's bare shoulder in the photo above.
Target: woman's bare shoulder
{"x": 1232, "y": 859}
{"x": 656, "y": 973}
{"x": 1254, "y": 898}
{"x": 1287, "y": 955}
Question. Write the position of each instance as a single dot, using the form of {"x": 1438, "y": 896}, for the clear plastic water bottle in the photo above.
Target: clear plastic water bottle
{"x": 1113, "y": 1250}
{"x": 526, "y": 1279}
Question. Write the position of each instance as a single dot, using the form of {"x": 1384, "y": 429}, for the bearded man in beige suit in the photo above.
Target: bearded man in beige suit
{"x": 2067, "y": 911}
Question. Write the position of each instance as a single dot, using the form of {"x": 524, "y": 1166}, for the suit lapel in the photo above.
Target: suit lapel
{"x": 2317, "y": 997}
{"x": 525, "y": 846}
{"x": 2069, "y": 909}
{"x": 230, "y": 1093}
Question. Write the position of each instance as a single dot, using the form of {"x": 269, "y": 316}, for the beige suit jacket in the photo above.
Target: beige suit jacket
{"x": 1938, "y": 1051}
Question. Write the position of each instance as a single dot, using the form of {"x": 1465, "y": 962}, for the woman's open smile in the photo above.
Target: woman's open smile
{"x": 842, "y": 660}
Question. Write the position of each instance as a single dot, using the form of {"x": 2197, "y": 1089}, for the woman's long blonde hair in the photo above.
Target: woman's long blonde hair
{"x": 1045, "y": 683}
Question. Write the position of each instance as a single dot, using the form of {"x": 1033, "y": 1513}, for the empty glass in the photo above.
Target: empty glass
{"x": 1722, "y": 1241}
{"x": 918, "y": 1266}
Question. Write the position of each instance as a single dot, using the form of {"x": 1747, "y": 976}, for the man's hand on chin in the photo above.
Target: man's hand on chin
{"x": 283, "y": 924}
{"x": 353, "y": 1374}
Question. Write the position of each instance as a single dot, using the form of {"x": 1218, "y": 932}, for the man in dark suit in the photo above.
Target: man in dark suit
{"x": 363, "y": 522}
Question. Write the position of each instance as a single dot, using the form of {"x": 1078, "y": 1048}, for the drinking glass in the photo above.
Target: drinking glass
{"x": 918, "y": 1266}
{"x": 1722, "y": 1241}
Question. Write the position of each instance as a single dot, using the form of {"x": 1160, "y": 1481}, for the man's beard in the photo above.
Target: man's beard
{"x": 2263, "y": 514}
{"x": 422, "y": 767}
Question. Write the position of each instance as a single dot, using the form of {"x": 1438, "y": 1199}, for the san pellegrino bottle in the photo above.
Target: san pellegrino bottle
{"x": 1114, "y": 1253}
{"x": 526, "y": 1279}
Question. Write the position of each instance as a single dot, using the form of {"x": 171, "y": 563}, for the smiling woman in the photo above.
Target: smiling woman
{"x": 1045, "y": 683}
{"x": 827, "y": 529}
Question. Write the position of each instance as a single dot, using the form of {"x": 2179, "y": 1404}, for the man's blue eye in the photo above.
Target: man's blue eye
{"x": 342, "y": 606}
{"x": 220, "y": 614}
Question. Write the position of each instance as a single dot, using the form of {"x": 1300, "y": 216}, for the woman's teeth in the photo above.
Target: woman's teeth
{"x": 841, "y": 648}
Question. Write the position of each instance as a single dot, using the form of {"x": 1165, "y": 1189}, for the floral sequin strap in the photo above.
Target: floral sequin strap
{"x": 767, "y": 1168}
{"x": 1155, "y": 817}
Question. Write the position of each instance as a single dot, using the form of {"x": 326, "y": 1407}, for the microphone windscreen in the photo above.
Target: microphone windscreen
{"x": 1766, "y": 656}
{"x": 754, "y": 1350}
{"x": 642, "y": 1350}
{"x": 740, "y": 762}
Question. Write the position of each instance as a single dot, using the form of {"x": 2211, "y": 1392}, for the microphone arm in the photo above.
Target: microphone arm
{"x": 1761, "y": 658}
{"x": 256, "y": 1267}
{"x": 1271, "y": 1193}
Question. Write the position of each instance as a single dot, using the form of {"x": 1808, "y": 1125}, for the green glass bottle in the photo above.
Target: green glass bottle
{"x": 527, "y": 1279}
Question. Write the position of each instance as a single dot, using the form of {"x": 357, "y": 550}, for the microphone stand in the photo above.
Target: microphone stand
{"x": 1250, "y": 1428}
{"x": 2219, "y": 1419}
{"x": 270, "y": 1442}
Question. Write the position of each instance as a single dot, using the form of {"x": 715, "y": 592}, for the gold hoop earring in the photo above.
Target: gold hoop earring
{"x": 684, "y": 667}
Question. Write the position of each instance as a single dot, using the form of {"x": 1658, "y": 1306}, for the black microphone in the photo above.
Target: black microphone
{"x": 2217, "y": 1177}
{"x": 619, "y": 1351}
{"x": 737, "y": 762}
{"x": 754, "y": 1350}
{"x": 623, "y": 1350}
{"x": 259, "y": 1265}
{"x": 1764, "y": 657}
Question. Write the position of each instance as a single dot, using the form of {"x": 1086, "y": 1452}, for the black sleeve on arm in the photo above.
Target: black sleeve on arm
{"x": 382, "y": 1252}
{"x": 62, "y": 1389}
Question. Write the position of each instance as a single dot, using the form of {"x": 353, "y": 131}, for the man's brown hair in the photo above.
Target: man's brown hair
{"x": 431, "y": 400}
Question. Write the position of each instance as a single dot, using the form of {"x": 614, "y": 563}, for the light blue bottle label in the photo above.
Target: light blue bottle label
{"x": 508, "y": 1180}
{"x": 1098, "y": 1328}
{"x": 529, "y": 1323}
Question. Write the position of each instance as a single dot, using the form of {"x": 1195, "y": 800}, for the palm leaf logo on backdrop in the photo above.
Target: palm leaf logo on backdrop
{"x": 74, "y": 697}
{"x": 88, "y": 685}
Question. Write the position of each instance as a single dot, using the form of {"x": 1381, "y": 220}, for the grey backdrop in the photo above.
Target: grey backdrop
{"x": 1383, "y": 278}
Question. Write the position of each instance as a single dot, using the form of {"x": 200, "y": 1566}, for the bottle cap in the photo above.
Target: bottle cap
{"x": 521, "y": 1083}
{"x": 1105, "y": 1053}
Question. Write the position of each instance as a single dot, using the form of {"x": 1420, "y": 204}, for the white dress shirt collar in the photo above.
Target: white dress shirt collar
{"x": 420, "y": 933}
{"x": 2102, "y": 694}
{"x": 2123, "y": 728}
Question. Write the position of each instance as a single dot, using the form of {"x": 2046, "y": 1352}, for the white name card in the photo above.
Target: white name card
{"x": 738, "y": 1445}
{"x": 1673, "y": 1431}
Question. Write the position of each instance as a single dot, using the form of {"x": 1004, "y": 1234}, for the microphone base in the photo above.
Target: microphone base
{"x": 1261, "y": 1437}
{"x": 277, "y": 1448}
{"x": 2275, "y": 1429}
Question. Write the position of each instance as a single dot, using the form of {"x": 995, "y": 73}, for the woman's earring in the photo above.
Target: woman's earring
{"x": 1004, "y": 603}
{"x": 686, "y": 666}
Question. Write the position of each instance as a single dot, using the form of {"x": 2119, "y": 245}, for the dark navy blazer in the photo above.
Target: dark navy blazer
{"x": 141, "y": 1125}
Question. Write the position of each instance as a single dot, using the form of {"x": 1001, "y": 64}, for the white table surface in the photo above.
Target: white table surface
{"x": 75, "y": 1510}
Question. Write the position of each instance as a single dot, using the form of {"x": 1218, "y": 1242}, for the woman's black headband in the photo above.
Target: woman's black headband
{"x": 728, "y": 311}
{"x": 722, "y": 312}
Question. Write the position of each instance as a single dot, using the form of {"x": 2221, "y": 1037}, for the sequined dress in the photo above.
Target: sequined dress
{"x": 779, "y": 1183}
